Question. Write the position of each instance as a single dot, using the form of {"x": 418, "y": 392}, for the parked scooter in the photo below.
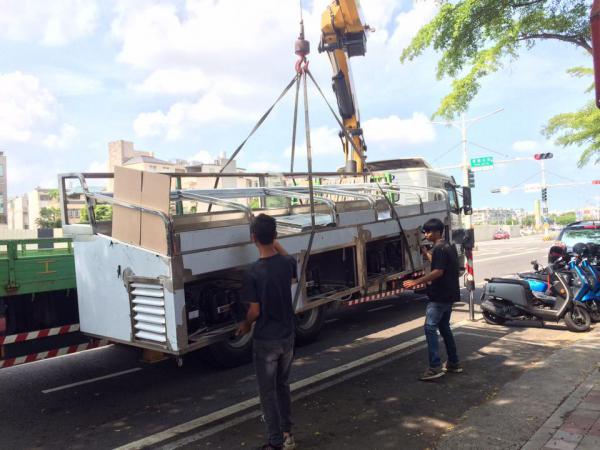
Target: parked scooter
{"x": 580, "y": 274}
{"x": 512, "y": 299}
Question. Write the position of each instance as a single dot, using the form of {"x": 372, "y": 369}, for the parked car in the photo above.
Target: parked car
{"x": 582, "y": 231}
{"x": 501, "y": 234}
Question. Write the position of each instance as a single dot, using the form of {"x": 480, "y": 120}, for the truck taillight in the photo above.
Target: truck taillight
{"x": 595, "y": 25}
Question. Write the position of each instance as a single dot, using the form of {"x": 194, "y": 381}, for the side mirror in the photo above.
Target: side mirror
{"x": 467, "y": 202}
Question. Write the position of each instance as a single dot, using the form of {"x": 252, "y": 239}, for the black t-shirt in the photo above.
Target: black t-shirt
{"x": 269, "y": 282}
{"x": 446, "y": 288}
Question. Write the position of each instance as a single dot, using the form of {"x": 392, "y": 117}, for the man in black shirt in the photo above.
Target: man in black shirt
{"x": 443, "y": 290}
{"x": 267, "y": 288}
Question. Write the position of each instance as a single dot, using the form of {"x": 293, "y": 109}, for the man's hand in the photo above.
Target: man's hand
{"x": 244, "y": 328}
{"x": 409, "y": 284}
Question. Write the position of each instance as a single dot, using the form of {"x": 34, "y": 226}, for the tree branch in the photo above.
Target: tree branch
{"x": 578, "y": 40}
{"x": 532, "y": 2}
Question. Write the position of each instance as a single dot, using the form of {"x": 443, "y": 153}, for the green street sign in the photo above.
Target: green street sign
{"x": 484, "y": 161}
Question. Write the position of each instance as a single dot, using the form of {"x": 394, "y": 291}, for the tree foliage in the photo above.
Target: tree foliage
{"x": 475, "y": 38}
{"x": 101, "y": 212}
{"x": 580, "y": 128}
{"x": 49, "y": 218}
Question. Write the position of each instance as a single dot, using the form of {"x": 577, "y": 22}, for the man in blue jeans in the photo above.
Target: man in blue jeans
{"x": 267, "y": 289}
{"x": 443, "y": 290}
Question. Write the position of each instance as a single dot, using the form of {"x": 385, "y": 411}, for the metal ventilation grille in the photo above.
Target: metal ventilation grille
{"x": 148, "y": 312}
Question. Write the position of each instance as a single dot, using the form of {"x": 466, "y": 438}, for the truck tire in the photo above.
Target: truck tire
{"x": 232, "y": 352}
{"x": 308, "y": 325}
{"x": 578, "y": 319}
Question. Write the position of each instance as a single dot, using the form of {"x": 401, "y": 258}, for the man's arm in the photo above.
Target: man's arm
{"x": 433, "y": 275}
{"x": 251, "y": 316}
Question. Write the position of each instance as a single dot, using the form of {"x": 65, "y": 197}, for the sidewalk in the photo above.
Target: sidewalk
{"x": 576, "y": 422}
{"x": 554, "y": 405}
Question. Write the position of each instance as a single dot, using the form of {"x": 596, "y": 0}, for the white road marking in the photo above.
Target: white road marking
{"x": 253, "y": 402}
{"x": 91, "y": 380}
{"x": 510, "y": 255}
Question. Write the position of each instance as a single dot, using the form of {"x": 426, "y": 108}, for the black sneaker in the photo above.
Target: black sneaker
{"x": 452, "y": 368}
{"x": 432, "y": 373}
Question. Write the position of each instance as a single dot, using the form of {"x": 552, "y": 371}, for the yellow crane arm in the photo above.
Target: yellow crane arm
{"x": 343, "y": 35}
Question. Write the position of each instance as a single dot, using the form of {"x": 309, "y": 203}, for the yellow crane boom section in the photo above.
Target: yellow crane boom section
{"x": 343, "y": 35}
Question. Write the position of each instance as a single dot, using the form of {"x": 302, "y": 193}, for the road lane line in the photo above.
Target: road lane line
{"x": 186, "y": 427}
{"x": 507, "y": 256}
{"x": 91, "y": 380}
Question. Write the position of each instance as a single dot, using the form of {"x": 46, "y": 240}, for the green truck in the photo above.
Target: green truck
{"x": 38, "y": 301}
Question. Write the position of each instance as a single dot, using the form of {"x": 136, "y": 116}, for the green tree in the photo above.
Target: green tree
{"x": 476, "y": 37}
{"x": 49, "y": 218}
{"x": 102, "y": 212}
{"x": 581, "y": 128}
{"x": 566, "y": 218}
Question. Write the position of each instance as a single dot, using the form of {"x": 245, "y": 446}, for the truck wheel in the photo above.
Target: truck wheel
{"x": 493, "y": 319}
{"x": 232, "y": 352}
{"x": 308, "y": 325}
{"x": 578, "y": 319}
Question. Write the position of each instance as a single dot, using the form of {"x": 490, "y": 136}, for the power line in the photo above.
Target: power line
{"x": 445, "y": 152}
{"x": 489, "y": 149}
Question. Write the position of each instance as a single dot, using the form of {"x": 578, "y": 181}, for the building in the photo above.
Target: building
{"x": 497, "y": 216}
{"x": 25, "y": 211}
{"x": 120, "y": 152}
{"x": 3, "y": 190}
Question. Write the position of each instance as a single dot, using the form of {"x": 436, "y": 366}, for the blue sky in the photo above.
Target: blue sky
{"x": 188, "y": 79}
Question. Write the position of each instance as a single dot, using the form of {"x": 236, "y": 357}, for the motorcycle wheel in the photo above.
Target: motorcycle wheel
{"x": 493, "y": 319}
{"x": 578, "y": 319}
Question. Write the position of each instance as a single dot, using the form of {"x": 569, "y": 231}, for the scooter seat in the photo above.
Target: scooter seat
{"x": 523, "y": 283}
{"x": 533, "y": 275}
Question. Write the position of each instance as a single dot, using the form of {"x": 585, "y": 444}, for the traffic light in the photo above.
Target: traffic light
{"x": 540, "y": 156}
{"x": 545, "y": 194}
{"x": 595, "y": 181}
{"x": 471, "y": 176}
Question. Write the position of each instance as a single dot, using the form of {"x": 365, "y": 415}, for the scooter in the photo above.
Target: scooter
{"x": 578, "y": 274}
{"x": 512, "y": 299}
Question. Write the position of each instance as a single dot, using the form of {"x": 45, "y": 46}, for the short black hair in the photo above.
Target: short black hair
{"x": 264, "y": 229}
{"x": 433, "y": 225}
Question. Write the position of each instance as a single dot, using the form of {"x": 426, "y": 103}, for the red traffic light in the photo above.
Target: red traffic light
{"x": 595, "y": 181}
{"x": 540, "y": 156}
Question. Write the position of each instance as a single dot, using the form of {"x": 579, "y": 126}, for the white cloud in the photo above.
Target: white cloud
{"x": 202, "y": 156}
{"x": 53, "y": 22}
{"x": 68, "y": 133}
{"x": 393, "y": 130}
{"x": 263, "y": 166}
{"x": 323, "y": 141}
{"x": 184, "y": 115}
{"x": 411, "y": 21}
{"x": 98, "y": 166}
{"x": 175, "y": 81}
{"x": 25, "y": 105}
{"x": 526, "y": 146}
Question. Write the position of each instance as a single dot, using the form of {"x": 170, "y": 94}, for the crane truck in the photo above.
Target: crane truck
{"x": 165, "y": 273}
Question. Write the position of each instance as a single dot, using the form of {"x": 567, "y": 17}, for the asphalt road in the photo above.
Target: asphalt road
{"x": 106, "y": 398}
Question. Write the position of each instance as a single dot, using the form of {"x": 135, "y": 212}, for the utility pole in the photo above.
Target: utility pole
{"x": 463, "y": 126}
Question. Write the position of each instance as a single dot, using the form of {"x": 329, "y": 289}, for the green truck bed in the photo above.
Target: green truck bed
{"x": 25, "y": 268}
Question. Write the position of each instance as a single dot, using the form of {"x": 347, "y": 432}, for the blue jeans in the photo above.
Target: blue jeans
{"x": 437, "y": 317}
{"x": 273, "y": 362}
